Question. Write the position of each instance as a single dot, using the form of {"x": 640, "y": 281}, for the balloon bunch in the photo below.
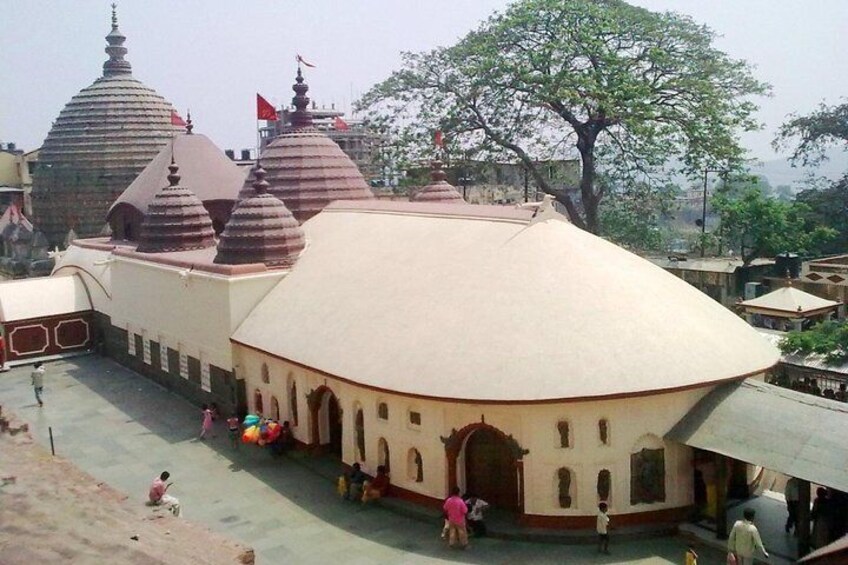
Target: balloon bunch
{"x": 260, "y": 431}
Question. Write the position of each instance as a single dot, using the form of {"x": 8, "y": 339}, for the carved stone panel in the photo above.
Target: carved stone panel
{"x": 647, "y": 476}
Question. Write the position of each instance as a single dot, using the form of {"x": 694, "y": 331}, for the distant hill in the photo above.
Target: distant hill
{"x": 779, "y": 171}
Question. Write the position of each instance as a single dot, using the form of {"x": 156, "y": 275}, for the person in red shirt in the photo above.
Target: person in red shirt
{"x": 378, "y": 488}
{"x": 456, "y": 509}
{"x": 3, "y": 366}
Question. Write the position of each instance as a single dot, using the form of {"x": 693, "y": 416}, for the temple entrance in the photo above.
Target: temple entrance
{"x": 334, "y": 425}
{"x": 490, "y": 469}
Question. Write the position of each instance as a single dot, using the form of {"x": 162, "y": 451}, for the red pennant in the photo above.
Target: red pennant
{"x": 340, "y": 124}
{"x": 176, "y": 120}
{"x": 265, "y": 110}
{"x": 439, "y": 139}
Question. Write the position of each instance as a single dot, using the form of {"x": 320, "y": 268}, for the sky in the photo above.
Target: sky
{"x": 213, "y": 56}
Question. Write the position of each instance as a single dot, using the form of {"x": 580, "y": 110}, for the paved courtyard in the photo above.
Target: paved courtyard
{"x": 124, "y": 430}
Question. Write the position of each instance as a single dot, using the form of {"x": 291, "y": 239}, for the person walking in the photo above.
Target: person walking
{"x": 792, "y": 493}
{"x": 602, "y": 527}
{"x": 37, "y": 378}
{"x": 745, "y": 539}
{"x": 207, "y": 421}
{"x": 474, "y": 519}
{"x": 234, "y": 430}
{"x": 456, "y": 509}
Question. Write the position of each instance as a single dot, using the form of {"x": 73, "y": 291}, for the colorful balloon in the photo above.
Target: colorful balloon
{"x": 251, "y": 420}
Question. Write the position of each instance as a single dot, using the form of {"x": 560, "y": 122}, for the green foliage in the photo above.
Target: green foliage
{"x": 828, "y": 207}
{"x": 829, "y": 339}
{"x": 760, "y": 226}
{"x": 811, "y": 135}
{"x": 632, "y": 217}
{"x": 625, "y": 88}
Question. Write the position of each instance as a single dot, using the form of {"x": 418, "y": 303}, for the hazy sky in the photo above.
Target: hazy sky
{"x": 212, "y": 56}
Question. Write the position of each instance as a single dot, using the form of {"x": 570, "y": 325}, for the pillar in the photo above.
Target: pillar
{"x": 721, "y": 496}
{"x": 803, "y": 527}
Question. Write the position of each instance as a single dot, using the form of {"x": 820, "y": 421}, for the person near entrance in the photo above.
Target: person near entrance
{"x": 602, "y": 527}
{"x": 745, "y": 539}
{"x": 455, "y": 510}
{"x": 377, "y": 488}
{"x": 793, "y": 496}
{"x": 476, "y": 505}
{"x": 355, "y": 482}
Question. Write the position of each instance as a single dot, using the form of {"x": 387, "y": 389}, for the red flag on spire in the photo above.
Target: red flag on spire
{"x": 302, "y": 60}
{"x": 340, "y": 124}
{"x": 265, "y": 110}
{"x": 439, "y": 139}
{"x": 176, "y": 120}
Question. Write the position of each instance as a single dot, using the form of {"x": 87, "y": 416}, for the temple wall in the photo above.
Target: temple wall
{"x": 632, "y": 424}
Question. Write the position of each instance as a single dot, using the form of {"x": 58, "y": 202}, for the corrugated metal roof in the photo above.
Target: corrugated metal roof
{"x": 709, "y": 264}
{"x": 797, "y": 434}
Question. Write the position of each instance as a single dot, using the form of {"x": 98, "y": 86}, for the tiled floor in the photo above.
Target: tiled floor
{"x": 123, "y": 429}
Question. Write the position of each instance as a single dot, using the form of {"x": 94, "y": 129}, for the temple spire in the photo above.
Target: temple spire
{"x": 116, "y": 64}
{"x": 300, "y": 118}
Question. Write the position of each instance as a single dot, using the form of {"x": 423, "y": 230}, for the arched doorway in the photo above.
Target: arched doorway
{"x": 325, "y": 417}
{"x": 334, "y": 425}
{"x": 490, "y": 469}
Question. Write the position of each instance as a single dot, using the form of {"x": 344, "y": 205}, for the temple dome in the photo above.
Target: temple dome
{"x": 176, "y": 220}
{"x": 306, "y": 169}
{"x": 100, "y": 142}
{"x": 213, "y": 178}
{"x": 439, "y": 190}
{"x": 261, "y": 230}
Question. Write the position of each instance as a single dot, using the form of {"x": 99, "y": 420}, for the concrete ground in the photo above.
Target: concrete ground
{"x": 124, "y": 430}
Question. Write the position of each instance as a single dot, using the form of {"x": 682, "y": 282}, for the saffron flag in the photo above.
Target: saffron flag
{"x": 265, "y": 110}
{"x": 340, "y": 124}
{"x": 176, "y": 120}
{"x": 438, "y": 139}
{"x": 302, "y": 60}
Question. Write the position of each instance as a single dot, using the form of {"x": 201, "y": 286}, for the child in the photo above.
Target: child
{"x": 207, "y": 421}
{"x": 235, "y": 432}
{"x": 602, "y": 526}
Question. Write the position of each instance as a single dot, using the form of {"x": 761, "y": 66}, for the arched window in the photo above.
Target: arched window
{"x": 415, "y": 466}
{"x": 275, "y": 408}
{"x": 603, "y": 431}
{"x": 383, "y": 411}
{"x": 257, "y": 401}
{"x": 383, "y": 454}
{"x": 604, "y": 482}
{"x": 564, "y": 487}
{"x": 293, "y": 403}
{"x": 359, "y": 427}
{"x": 266, "y": 375}
{"x": 564, "y": 430}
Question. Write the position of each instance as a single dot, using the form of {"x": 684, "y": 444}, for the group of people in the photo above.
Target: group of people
{"x": 357, "y": 486}
{"x": 461, "y": 515}
{"x": 810, "y": 385}
{"x": 829, "y": 515}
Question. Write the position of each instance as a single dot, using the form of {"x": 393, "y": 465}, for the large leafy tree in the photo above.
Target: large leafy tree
{"x": 624, "y": 88}
{"x": 760, "y": 226}
{"x": 828, "y": 207}
{"x": 811, "y": 135}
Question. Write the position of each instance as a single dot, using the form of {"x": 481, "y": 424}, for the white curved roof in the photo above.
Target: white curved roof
{"x": 479, "y": 303}
{"x": 28, "y": 299}
{"x": 92, "y": 263}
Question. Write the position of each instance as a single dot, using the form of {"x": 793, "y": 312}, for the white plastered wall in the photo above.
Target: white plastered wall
{"x": 633, "y": 423}
{"x": 189, "y": 309}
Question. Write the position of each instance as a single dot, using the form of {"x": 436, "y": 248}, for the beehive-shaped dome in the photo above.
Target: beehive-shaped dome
{"x": 100, "y": 142}
{"x": 439, "y": 190}
{"x": 306, "y": 169}
{"x": 176, "y": 220}
{"x": 261, "y": 230}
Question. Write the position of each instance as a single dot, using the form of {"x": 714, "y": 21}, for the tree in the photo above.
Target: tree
{"x": 632, "y": 216}
{"x": 760, "y": 226}
{"x": 828, "y": 207}
{"x": 829, "y": 339}
{"x": 624, "y": 87}
{"x": 811, "y": 135}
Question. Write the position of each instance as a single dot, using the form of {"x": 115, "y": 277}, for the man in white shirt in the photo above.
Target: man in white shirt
{"x": 37, "y": 378}
{"x": 745, "y": 539}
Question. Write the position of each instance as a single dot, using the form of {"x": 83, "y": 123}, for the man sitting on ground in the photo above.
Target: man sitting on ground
{"x": 355, "y": 482}
{"x": 159, "y": 497}
{"x": 378, "y": 488}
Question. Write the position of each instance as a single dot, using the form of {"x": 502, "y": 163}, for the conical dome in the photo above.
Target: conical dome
{"x": 176, "y": 220}
{"x": 100, "y": 142}
{"x": 306, "y": 169}
{"x": 439, "y": 190}
{"x": 261, "y": 230}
